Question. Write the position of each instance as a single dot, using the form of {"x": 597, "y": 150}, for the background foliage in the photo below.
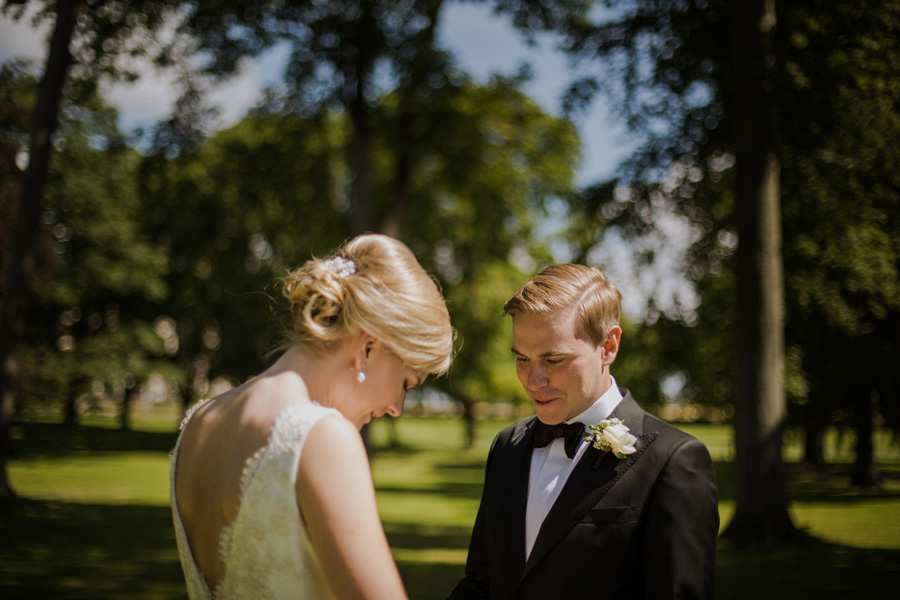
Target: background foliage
{"x": 156, "y": 270}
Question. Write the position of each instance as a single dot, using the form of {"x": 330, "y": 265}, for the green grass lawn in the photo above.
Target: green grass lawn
{"x": 94, "y": 518}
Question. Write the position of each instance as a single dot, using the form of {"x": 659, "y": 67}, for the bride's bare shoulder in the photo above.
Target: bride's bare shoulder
{"x": 333, "y": 448}
{"x": 336, "y": 432}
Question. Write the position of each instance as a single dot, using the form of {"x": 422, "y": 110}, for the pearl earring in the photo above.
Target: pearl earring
{"x": 360, "y": 376}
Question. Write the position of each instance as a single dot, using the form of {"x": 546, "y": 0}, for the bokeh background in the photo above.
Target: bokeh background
{"x": 733, "y": 166}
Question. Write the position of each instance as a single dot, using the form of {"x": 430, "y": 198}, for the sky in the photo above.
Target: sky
{"x": 483, "y": 44}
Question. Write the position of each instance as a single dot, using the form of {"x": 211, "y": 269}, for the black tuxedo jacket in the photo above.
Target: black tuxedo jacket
{"x": 640, "y": 527}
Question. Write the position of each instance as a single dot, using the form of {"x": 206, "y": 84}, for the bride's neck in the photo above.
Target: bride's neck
{"x": 319, "y": 370}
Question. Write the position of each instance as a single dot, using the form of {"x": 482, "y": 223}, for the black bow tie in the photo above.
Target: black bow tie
{"x": 572, "y": 432}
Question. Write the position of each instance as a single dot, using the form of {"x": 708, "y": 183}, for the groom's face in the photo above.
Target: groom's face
{"x": 561, "y": 370}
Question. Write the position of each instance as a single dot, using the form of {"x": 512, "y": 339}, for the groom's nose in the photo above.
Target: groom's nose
{"x": 535, "y": 377}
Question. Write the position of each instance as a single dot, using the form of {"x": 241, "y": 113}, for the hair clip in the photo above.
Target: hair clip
{"x": 340, "y": 266}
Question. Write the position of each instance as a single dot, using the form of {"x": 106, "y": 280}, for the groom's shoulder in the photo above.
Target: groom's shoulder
{"x": 670, "y": 436}
{"x": 630, "y": 411}
{"x": 664, "y": 426}
{"x": 513, "y": 432}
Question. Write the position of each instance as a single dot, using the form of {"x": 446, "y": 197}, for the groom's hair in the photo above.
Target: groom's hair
{"x": 560, "y": 287}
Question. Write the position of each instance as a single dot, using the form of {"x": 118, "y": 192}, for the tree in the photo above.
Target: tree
{"x": 842, "y": 253}
{"x": 682, "y": 67}
{"x": 88, "y": 44}
{"x": 489, "y": 168}
{"x": 88, "y": 324}
{"x": 832, "y": 101}
{"x": 21, "y": 263}
{"x": 344, "y": 55}
{"x": 92, "y": 322}
{"x": 259, "y": 198}
{"x": 761, "y": 510}
{"x": 234, "y": 215}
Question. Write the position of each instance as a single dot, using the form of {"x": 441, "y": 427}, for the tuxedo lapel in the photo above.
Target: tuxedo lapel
{"x": 589, "y": 482}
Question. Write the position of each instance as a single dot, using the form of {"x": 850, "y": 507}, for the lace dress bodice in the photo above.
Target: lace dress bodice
{"x": 266, "y": 549}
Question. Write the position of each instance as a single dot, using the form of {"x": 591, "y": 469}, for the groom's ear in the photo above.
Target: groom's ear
{"x": 610, "y": 346}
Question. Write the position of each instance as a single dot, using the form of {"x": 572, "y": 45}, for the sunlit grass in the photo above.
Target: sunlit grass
{"x": 96, "y": 522}
{"x": 120, "y": 478}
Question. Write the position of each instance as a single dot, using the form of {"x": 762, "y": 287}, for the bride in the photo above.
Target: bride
{"x": 272, "y": 496}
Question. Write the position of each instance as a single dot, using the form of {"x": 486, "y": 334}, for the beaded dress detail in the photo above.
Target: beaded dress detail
{"x": 266, "y": 549}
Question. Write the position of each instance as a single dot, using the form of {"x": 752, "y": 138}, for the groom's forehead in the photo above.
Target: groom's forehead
{"x": 547, "y": 326}
{"x": 542, "y": 338}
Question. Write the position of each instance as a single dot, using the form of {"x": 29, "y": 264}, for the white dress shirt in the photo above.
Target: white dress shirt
{"x": 550, "y": 467}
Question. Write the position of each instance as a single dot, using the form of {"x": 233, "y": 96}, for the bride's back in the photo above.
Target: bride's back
{"x": 216, "y": 445}
{"x": 366, "y": 324}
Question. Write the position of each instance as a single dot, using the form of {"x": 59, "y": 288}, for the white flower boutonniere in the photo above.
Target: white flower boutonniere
{"x": 611, "y": 435}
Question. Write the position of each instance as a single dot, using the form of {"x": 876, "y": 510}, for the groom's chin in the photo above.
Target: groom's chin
{"x": 547, "y": 412}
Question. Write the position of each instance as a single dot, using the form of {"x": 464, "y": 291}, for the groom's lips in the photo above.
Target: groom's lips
{"x": 544, "y": 400}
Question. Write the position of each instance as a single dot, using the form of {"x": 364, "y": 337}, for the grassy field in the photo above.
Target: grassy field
{"x": 94, "y": 518}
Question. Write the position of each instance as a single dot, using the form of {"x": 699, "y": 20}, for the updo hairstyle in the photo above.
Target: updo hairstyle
{"x": 372, "y": 284}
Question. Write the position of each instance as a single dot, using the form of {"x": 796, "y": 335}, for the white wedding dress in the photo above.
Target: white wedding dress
{"x": 266, "y": 549}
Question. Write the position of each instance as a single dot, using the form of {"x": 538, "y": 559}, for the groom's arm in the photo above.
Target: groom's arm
{"x": 476, "y": 583}
{"x": 682, "y": 526}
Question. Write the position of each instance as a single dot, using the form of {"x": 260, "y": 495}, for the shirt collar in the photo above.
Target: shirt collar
{"x": 602, "y": 407}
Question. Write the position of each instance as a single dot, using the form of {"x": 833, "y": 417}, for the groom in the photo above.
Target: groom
{"x": 626, "y": 515}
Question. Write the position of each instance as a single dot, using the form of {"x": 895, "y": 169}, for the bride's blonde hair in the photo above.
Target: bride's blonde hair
{"x": 372, "y": 284}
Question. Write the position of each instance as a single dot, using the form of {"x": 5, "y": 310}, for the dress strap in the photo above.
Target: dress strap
{"x": 190, "y": 412}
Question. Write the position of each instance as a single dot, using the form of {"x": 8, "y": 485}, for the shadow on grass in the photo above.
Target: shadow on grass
{"x": 825, "y": 483}
{"x": 445, "y": 489}
{"x": 427, "y": 579}
{"x": 421, "y": 536}
{"x": 52, "y": 549}
{"x": 831, "y": 483}
{"x": 77, "y": 551}
{"x": 33, "y": 440}
{"x": 66, "y": 550}
{"x": 430, "y": 581}
{"x": 449, "y": 465}
{"x": 814, "y": 570}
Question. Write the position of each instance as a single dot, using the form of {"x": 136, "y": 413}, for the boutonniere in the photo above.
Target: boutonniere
{"x": 611, "y": 435}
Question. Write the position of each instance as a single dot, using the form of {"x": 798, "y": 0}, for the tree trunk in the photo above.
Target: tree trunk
{"x": 390, "y": 223}
{"x": 362, "y": 219}
{"x": 761, "y": 511}
{"x": 865, "y": 471}
{"x": 358, "y": 76}
{"x": 127, "y": 403}
{"x": 469, "y": 420}
{"x": 186, "y": 395}
{"x": 817, "y": 416}
{"x": 404, "y": 151}
{"x": 22, "y": 258}
{"x": 468, "y": 415}
{"x": 813, "y": 443}
{"x": 70, "y": 409}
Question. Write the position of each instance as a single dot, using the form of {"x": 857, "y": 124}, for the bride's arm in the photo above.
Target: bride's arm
{"x": 336, "y": 496}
